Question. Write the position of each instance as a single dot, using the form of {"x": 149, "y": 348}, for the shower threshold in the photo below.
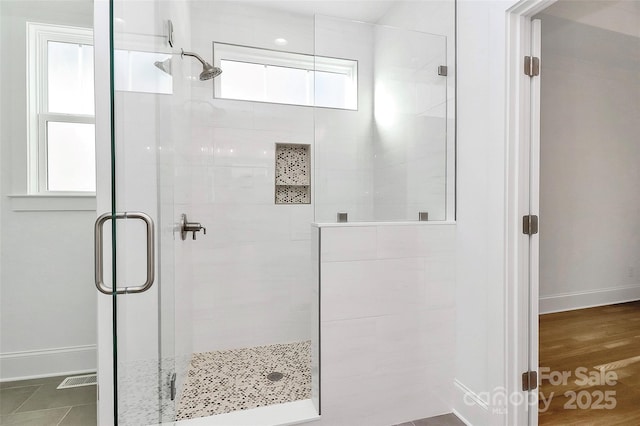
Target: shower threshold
{"x": 289, "y": 413}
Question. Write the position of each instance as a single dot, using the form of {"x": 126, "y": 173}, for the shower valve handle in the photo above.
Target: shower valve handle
{"x": 197, "y": 228}
{"x": 193, "y": 227}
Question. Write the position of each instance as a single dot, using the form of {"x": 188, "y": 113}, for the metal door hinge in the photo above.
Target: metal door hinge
{"x": 531, "y": 66}
{"x": 530, "y": 224}
{"x": 443, "y": 70}
{"x": 529, "y": 380}
{"x": 172, "y": 383}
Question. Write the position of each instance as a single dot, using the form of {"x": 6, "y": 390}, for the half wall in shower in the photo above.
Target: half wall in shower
{"x": 312, "y": 116}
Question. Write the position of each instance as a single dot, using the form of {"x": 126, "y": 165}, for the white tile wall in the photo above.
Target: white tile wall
{"x": 250, "y": 273}
{"x": 435, "y": 17}
{"x": 343, "y": 150}
{"x": 387, "y": 323}
{"x": 349, "y": 243}
{"x": 387, "y": 311}
{"x": 410, "y": 138}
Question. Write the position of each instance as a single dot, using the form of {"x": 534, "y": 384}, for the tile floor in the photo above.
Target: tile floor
{"x": 444, "y": 420}
{"x": 38, "y": 403}
{"x": 224, "y": 381}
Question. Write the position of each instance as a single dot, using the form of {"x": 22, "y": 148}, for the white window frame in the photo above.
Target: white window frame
{"x": 278, "y": 58}
{"x": 38, "y": 115}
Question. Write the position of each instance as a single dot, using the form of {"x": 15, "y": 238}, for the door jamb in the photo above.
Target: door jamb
{"x": 518, "y": 300}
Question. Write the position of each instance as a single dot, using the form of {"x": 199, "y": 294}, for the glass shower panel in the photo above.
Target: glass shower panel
{"x": 144, "y": 126}
{"x": 250, "y": 275}
{"x": 251, "y": 272}
{"x": 387, "y": 161}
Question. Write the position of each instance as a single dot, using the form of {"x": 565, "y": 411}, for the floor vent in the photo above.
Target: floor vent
{"x": 77, "y": 381}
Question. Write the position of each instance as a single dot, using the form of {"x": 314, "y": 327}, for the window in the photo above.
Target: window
{"x": 264, "y": 75}
{"x": 61, "y": 110}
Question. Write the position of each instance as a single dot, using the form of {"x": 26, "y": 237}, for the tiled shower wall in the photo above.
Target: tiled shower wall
{"x": 387, "y": 322}
{"x": 410, "y": 143}
{"x": 435, "y": 17}
{"x": 344, "y": 150}
{"x": 183, "y": 273}
{"x": 242, "y": 293}
{"x": 250, "y": 273}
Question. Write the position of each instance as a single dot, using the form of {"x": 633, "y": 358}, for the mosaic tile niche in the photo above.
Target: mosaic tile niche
{"x": 224, "y": 381}
{"x": 293, "y": 174}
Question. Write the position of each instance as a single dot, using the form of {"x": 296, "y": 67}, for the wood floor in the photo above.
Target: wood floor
{"x": 605, "y": 342}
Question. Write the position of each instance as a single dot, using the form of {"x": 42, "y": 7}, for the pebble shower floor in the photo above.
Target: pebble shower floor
{"x": 230, "y": 380}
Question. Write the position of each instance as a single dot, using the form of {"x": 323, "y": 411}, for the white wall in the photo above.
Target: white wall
{"x": 618, "y": 16}
{"x": 475, "y": 163}
{"x": 344, "y": 139}
{"x": 250, "y": 273}
{"x": 47, "y": 297}
{"x": 410, "y": 138}
{"x": 481, "y": 186}
{"x": 387, "y": 323}
{"x": 589, "y": 253}
{"x": 391, "y": 159}
{"x": 481, "y": 295}
{"x": 229, "y": 159}
{"x": 436, "y": 17}
{"x": 384, "y": 288}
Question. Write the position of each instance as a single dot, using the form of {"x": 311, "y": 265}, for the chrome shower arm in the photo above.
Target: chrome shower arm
{"x": 208, "y": 70}
{"x": 195, "y": 55}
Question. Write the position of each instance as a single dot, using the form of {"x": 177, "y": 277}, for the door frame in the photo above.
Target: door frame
{"x": 521, "y": 299}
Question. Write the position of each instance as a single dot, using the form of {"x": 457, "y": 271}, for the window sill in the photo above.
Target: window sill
{"x": 51, "y": 202}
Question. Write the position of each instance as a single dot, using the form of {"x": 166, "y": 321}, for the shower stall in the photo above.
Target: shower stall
{"x": 239, "y": 129}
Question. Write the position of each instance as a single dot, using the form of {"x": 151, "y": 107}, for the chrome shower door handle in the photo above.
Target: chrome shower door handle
{"x": 99, "y": 269}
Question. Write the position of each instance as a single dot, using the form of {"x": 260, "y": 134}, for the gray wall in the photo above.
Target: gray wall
{"x": 589, "y": 174}
{"x": 47, "y": 298}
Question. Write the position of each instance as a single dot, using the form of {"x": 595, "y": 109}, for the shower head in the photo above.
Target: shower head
{"x": 208, "y": 70}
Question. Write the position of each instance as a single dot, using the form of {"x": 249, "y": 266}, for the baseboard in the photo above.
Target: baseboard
{"x": 588, "y": 299}
{"x": 468, "y": 406}
{"x": 47, "y": 363}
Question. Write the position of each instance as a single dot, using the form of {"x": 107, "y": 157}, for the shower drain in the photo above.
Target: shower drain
{"x": 275, "y": 376}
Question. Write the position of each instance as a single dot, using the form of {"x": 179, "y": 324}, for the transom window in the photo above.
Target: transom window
{"x": 264, "y": 75}
{"x": 61, "y": 110}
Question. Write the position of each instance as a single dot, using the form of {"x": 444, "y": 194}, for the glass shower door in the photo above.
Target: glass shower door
{"x": 134, "y": 234}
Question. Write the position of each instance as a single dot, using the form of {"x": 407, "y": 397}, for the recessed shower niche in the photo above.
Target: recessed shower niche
{"x": 293, "y": 174}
